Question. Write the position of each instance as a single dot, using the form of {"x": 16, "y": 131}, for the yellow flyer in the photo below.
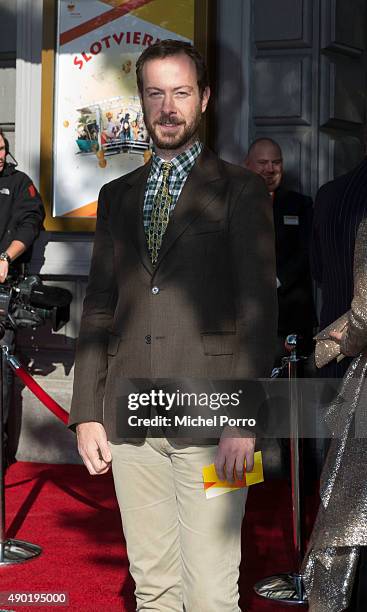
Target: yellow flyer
{"x": 214, "y": 487}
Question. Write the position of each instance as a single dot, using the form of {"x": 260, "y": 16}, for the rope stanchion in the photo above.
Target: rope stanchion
{"x": 11, "y": 551}
{"x": 36, "y": 389}
{"x": 288, "y": 588}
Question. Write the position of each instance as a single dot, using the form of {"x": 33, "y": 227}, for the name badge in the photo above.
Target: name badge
{"x": 5, "y": 191}
{"x": 291, "y": 220}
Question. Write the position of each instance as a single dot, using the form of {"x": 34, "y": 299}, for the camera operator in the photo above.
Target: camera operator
{"x": 21, "y": 217}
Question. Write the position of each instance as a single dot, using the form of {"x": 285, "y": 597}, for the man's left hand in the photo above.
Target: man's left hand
{"x": 4, "y": 269}
{"x": 231, "y": 454}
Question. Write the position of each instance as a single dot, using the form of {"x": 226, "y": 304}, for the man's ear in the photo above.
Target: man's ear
{"x": 205, "y": 99}
{"x": 245, "y": 163}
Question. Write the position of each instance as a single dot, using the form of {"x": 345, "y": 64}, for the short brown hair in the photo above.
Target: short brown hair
{"x": 167, "y": 48}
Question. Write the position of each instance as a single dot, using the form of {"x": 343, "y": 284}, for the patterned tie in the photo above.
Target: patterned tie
{"x": 160, "y": 215}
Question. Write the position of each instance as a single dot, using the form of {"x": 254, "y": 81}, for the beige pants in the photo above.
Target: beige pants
{"x": 184, "y": 550}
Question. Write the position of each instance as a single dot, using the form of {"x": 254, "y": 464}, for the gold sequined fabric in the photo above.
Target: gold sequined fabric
{"x": 160, "y": 215}
{"x": 341, "y": 525}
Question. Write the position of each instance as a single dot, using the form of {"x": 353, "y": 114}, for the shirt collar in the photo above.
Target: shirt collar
{"x": 182, "y": 164}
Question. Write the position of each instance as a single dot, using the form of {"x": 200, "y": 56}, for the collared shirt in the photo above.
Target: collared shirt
{"x": 181, "y": 166}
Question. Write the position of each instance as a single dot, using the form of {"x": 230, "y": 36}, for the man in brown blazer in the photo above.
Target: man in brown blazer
{"x": 182, "y": 285}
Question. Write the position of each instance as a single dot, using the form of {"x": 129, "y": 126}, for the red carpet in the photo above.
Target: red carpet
{"x": 74, "y": 518}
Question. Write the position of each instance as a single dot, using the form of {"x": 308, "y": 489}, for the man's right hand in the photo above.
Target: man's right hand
{"x": 93, "y": 447}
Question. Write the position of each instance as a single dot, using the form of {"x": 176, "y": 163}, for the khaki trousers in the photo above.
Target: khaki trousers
{"x": 184, "y": 550}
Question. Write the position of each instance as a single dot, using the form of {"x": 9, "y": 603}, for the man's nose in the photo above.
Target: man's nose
{"x": 269, "y": 167}
{"x": 168, "y": 104}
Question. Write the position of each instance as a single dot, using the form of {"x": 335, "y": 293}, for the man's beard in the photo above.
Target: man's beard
{"x": 174, "y": 141}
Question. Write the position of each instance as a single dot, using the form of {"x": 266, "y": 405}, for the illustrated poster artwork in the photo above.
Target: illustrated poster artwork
{"x": 99, "y": 131}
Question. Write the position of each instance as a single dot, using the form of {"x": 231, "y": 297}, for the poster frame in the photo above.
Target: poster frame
{"x": 204, "y": 30}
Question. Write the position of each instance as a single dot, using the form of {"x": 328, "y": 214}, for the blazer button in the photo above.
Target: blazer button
{"x": 155, "y": 290}
{"x": 148, "y": 339}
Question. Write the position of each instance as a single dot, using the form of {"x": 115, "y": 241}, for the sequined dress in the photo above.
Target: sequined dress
{"x": 341, "y": 525}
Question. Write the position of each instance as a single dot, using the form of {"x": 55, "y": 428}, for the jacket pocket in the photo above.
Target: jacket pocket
{"x": 220, "y": 343}
{"x": 113, "y": 344}
{"x": 206, "y": 227}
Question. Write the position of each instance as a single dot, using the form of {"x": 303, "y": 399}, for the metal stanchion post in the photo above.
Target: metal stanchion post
{"x": 11, "y": 551}
{"x": 288, "y": 588}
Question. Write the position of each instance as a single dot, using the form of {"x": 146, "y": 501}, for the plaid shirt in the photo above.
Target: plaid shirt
{"x": 181, "y": 166}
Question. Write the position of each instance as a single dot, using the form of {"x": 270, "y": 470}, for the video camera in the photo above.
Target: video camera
{"x": 26, "y": 302}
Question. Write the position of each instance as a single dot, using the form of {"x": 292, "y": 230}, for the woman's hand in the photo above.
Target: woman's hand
{"x": 337, "y": 336}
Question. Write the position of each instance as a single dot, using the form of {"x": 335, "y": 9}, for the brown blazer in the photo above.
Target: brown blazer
{"x": 207, "y": 310}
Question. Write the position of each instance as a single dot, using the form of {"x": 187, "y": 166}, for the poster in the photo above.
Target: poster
{"x": 99, "y": 132}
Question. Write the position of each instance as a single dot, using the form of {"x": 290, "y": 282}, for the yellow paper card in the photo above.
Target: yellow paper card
{"x": 214, "y": 487}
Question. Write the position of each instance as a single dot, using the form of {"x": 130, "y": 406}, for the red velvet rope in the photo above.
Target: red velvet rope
{"x": 37, "y": 390}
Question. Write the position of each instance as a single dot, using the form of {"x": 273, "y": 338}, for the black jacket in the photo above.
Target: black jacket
{"x": 292, "y": 223}
{"x": 339, "y": 208}
{"x": 21, "y": 210}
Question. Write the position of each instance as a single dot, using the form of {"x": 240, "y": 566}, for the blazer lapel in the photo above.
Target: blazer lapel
{"x": 201, "y": 187}
{"x": 133, "y": 209}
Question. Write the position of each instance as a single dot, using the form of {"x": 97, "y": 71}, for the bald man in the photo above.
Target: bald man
{"x": 292, "y": 221}
{"x": 265, "y": 158}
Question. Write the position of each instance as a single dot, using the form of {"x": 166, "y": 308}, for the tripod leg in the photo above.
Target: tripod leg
{"x": 9, "y": 341}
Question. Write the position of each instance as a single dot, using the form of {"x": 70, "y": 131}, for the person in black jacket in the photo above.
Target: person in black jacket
{"x": 292, "y": 223}
{"x": 21, "y": 218}
{"x": 21, "y": 213}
